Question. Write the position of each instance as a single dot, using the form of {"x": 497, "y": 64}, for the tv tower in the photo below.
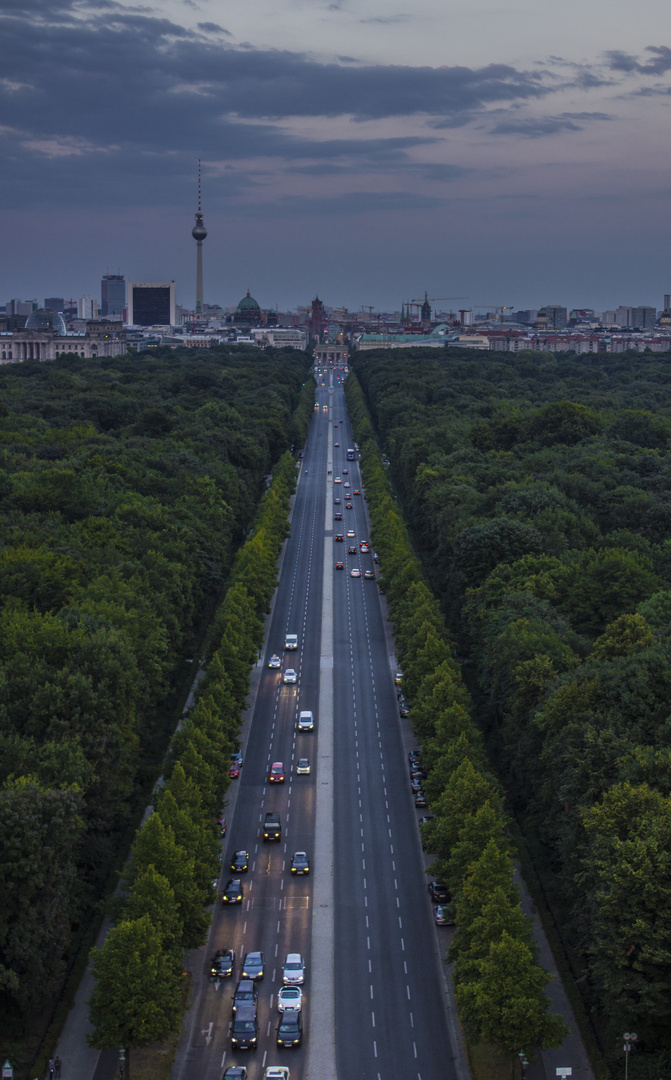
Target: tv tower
{"x": 199, "y": 232}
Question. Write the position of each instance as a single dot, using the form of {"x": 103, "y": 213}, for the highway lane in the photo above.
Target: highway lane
{"x": 275, "y": 916}
{"x": 390, "y": 1009}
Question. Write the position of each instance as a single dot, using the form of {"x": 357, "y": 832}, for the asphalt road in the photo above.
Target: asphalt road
{"x": 390, "y": 1018}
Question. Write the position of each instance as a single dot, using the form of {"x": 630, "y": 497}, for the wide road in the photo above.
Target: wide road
{"x": 390, "y": 1018}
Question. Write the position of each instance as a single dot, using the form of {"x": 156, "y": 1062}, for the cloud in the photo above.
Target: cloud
{"x": 538, "y": 127}
{"x": 658, "y": 63}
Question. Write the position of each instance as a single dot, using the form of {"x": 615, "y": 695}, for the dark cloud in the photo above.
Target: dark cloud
{"x": 657, "y": 64}
{"x": 348, "y": 204}
{"x": 213, "y": 28}
{"x": 538, "y": 127}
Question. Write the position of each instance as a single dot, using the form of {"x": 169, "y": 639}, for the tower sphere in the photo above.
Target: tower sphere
{"x": 199, "y": 232}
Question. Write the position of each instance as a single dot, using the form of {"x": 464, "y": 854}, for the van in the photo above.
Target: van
{"x": 291, "y": 641}
{"x": 306, "y": 721}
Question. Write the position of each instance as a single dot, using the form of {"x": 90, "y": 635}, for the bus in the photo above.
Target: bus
{"x": 350, "y": 455}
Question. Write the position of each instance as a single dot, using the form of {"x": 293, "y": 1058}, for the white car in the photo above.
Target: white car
{"x": 276, "y": 1072}
{"x": 290, "y": 997}
{"x": 293, "y": 972}
{"x": 275, "y": 661}
{"x": 337, "y": 480}
{"x": 303, "y": 766}
{"x": 355, "y": 572}
{"x": 290, "y": 676}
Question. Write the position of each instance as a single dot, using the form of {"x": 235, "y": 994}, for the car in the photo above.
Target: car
{"x": 414, "y": 756}
{"x": 276, "y": 774}
{"x": 222, "y": 824}
{"x": 340, "y": 566}
{"x": 345, "y": 472}
{"x": 246, "y": 993}
{"x": 375, "y": 558}
{"x": 403, "y": 710}
{"x": 290, "y": 997}
{"x": 293, "y": 970}
{"x": 240, "y": 861}
{"x": 364, "y": 548}
{"x": 303, "y": 766}
{"x": 348, "y": 506}
{"x": 245, "y": 1029}
{"x": 427, "y": 817}
{"x": 369, "y": 575}
{"x": 355, "y": 572}
{"x": 335, "y": 425}
{"x": 352, "y": 550}
{"x": 236, "y": 756}
{"x": 350, "y": 534}
{"x": 336, "y": 502}
{"x": 420, "y": 798}
{"x": 274, "y": 661}
{"x": 415, "y": 784}
{"x": 277, "y": 1072}
{"x": 289, "y": 676}
{"x": 398, "y": 678}
{"x": 339, "y": 538}
{"x": 222, "y": 964}
{"x": 442, "y": 916}
{"x": 300, "y": 864}
{"x": 336, "y": 444}
{"x": 234, "y": 771}
{"x": 290, "y": 1028}
{"x": 337, "y": 517}
{"x": 306, "y": 720}
{"x": 337, "y": 480}
{"x": 236, "y": 1072}
{"x": 417, "y": 775}
{"x": 439, "y": 892}
{"x": 253, "y": 966}
{"x": 233, "y": 892}
{"x": 347, "y": 485}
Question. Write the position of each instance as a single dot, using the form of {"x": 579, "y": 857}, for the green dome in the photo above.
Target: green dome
{"x": 248, "y": 303}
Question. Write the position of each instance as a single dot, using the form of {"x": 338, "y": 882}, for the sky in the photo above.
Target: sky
{"x": 365, "y": 151}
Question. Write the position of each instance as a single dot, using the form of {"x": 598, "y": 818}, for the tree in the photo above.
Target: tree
{"x": 504, "y": 1003}
{"x": 136, "y": 1000}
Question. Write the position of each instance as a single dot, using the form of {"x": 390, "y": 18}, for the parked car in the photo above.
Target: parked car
{"x": 439, "y": 892}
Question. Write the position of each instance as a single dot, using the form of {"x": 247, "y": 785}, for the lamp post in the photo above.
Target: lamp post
{"x": 523, "y": 1063}
{"x": 122, "y": 1062}
{"x": 630, "y": 1038}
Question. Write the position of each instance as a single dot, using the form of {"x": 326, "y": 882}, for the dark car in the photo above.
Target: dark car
{"x": 290, "y": 1028}
{"x": 403, "y": 709}
{"x": 415, "y": 784}
{"x": 245, "y": 1029}
{"x": 352, "y": 550}
{"x": 348, "y": 506}
{"x": 240, "y": 861}
{"x": 252, "y": 966}
{"x": 439, "y": 892}
{"x": 369, "y": 575}
{"x": 416, "y": 773}
{"x": 420, "y": 798}
{"x": 340, "y": 566}
{"x": 337, "y": 502}
{"x": 339, "y": 538}
{"x": 337, "y": 517}
{"x": 235, "y": 1072}
{"x": 414, "y": 756}
{"x": 222, "y": 964}
{"x": 300, "y": 864}
{"x": 233, "y": 892}
{"x": 246, "y": 993}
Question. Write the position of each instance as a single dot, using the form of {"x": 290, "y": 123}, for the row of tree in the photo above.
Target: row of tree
{"x": 167, "y": 885}
{"x": 499, "y": 983}
{"x": 126, "y": 486}
{"x": 538, "y": 490}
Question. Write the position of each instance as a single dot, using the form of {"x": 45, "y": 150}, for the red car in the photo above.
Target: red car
{"x": 234, "y": 771}
{"x": 276, "y": 775}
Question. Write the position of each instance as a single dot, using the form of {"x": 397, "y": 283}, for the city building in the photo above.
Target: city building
{"x": 556, "y": 317}
{"x": 47, "y": 339}
{"x": 279, "y": 337}
{"x": 151, "y": 303}
{"x": 112, "y": 295}
{"x": 248, "y": 312}
{"x": 55, "y": 303}
{"x": 21, "y": 307}
{"x": 87, "y": 308}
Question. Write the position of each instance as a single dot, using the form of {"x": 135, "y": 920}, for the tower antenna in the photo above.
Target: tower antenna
{"x": 199, "y": 232}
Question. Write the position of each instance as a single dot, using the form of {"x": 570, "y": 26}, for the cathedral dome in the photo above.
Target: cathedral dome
{"x": 248, "y": 303}
{"x": 44, "y": 319}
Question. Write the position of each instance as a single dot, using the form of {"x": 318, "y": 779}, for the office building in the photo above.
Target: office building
{"x": 557, "y": 318}
{"x": 55, "y": 303}
{"x": 21, "y": 307}
{"x": 151, "y": 303}
{"x": 87, "y": 307}
{"x": 112, "y": 295}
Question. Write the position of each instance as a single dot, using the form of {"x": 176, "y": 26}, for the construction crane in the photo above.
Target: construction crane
{"x": 501, "y": 308}
{"x": 433, "y": 299}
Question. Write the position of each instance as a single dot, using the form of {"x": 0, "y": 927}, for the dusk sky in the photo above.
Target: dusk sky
{"x": 511, "y": 153}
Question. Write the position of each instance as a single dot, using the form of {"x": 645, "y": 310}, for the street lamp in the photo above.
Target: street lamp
{"x": 523, "y": 1063}
{"x": 630, "y": 1038}
{"x": 122, "y": 1062}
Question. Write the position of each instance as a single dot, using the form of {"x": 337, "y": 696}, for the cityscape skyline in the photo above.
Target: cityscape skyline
{"x": 467, "y": 150}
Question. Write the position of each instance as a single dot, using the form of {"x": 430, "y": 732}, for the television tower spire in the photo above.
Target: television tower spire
{"x": 199, "y": 232}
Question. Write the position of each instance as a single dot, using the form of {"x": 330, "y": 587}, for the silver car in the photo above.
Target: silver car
{"x": 303, "y": 766}
{"x": 293, "y": 972}
{"x": 289, "y": 676}
{"x": 290, "y": 997}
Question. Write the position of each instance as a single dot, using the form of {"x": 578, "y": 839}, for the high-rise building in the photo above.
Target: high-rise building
{"x": 151, "y": 303}
{"x": 87, "y": 307}
{"x": 112, "y": 294}
{"x": 645, "y": 318}
{"x": 21, "y": 307}
{"x": 556, "y": 317}
{"x": 55, "y": 303}
{"x": 199, "y": 232}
